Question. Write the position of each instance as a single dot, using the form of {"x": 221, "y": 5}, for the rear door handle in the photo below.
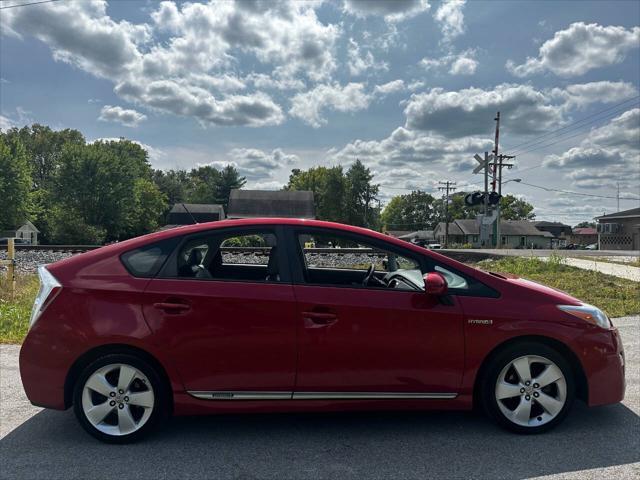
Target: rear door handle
{"x": 172, "y": 307}
{"x": 319, "y": 319}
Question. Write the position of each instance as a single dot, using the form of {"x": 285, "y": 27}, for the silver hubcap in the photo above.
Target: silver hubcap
{"x": 531, "y": 391}
{"x": 118, "y": 399}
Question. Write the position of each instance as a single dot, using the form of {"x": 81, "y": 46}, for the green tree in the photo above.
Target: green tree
{"x": 361, "y": 194}
{"x": 44, "y": 149}
{"x": 174, "y": 184}
{"x": 149, "y": 208}
{"x": 203, "y": 186}
{"x": 586, "y": 225}
{"x": 328, "y": 186}
{"x": 415, "y": 211}
{"x": 513, "y": 208}
{"x": 229, "y": 180}
{"x": 106, "y": 187}
{"x": 15, "y": 183}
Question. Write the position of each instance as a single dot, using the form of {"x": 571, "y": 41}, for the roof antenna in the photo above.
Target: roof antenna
{"x": 187, "y": 210}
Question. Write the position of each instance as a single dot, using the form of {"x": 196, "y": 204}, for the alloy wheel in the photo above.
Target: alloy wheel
{"x": 118, "y": 399}
{"x": 531, "y": 391}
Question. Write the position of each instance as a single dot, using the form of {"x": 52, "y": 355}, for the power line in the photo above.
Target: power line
{"x": 530, "y": 148}
{"x": 568, "y": 192}
{"x": 573, "y": 123}
{"x": 28, "y": 4}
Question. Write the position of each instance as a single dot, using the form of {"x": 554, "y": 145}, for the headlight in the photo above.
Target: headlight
{"x": 588, "y": 313}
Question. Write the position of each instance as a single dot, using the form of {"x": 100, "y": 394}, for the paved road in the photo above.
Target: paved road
{"x": 546, "y": 252}
{"x": 623, "y": 271}
{"x": 591, "y": 444}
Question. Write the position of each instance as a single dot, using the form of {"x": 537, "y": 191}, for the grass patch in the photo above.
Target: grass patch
{"x": 15, "y": 312}
{"x": 616, "y": 296}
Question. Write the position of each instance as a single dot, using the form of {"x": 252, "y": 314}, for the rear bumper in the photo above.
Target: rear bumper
{"x": 43, "y": 370}
{"x": 606, "y": 371}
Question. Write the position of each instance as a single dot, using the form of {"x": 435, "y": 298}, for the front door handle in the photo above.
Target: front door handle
{"x": 172, "y": 307}
{"x": 319, "y": 319}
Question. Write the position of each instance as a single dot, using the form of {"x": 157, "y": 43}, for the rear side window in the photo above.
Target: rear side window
{"x": 147, "y": 261}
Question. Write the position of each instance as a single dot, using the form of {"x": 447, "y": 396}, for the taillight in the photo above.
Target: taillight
{"x": 49, "y": 288}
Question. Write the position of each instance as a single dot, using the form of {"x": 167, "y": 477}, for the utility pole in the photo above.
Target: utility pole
{"x": 498, "y": 164}
{"x": 447, "y": 187}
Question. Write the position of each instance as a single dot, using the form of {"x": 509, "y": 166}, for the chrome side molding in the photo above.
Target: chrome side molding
{"x": 243, "y": 395}
{"x": 370, "y": 396}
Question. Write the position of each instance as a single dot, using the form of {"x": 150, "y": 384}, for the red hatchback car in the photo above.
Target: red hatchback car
{"x": 288, "y": 315}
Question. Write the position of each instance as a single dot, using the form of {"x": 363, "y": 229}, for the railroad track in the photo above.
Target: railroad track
{"x": 56, "y": 248}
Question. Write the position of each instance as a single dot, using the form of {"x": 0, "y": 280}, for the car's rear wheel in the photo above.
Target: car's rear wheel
{"x": 118, "y": 398}
{"x": 528, "y": 388}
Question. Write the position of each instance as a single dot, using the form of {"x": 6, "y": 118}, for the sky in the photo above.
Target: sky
{"x": 409, "y": 87}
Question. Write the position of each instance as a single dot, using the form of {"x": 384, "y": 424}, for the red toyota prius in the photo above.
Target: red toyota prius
{"x": 289, "y": 315}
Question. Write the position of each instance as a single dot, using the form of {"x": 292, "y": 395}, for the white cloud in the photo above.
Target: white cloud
{"x": 451, "y": 19}
{"x": 181, "y": 98}
{"x": 610, "y": 154}
{"x": 81, "y": 33}
{"x": 470, "y": 111}
{"x": 6, "y": 123}
{"x": 463, "y": 63}
{"x": 524, "y": 109}
{"x": 309, "y": 106}
{"x": 578, "y": 49}
{"x": 259, "y": 165}
{"x": 391, "y": 10}
{"x": 391, "y": 87}
{"x": 410, "y": 148}
{"x": 181, "y": 74}
{"x": 359, "y": 63}
{"x": 581, "y": 95}
{"x": 127, "y": 117}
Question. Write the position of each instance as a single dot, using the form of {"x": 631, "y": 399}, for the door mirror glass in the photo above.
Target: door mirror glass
{"x": 435, "y": 284}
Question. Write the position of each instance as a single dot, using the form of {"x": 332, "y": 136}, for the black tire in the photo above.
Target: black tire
{"x": 504, "y": 358}
{"x": 160, "y": 407}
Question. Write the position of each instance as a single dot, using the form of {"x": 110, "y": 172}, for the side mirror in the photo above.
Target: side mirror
{"x": 435, "y": 284}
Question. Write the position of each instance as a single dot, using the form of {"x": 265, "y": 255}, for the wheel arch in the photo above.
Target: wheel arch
{"x": 107, "y": 349}
{"x": 582, "y": 386}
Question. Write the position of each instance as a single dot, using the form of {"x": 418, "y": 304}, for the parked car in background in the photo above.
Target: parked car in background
{"x": 180, "y": 322}
{"x": 593, "y": 246}
{"x": 434, "y": 246}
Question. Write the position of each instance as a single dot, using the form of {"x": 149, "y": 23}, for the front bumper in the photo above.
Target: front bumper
{"x": 605, "y": 368}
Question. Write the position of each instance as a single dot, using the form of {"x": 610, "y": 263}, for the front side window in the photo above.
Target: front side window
{"x": 343, "y": 260}
{"x": 234, "y": 256}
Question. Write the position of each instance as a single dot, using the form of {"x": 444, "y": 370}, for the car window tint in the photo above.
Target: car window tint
{"x": 231, "y": 256}
{"x": 146, "y": 261}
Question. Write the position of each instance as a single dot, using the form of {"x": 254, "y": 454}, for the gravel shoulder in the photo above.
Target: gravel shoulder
{"x": 591, "y": 444}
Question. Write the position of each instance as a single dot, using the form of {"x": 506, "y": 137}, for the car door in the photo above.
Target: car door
{"x": 223, "y": 307}
{"x": 369, "y": 340}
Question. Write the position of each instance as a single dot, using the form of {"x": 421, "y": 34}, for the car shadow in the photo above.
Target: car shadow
{"x": 336, "y": 445}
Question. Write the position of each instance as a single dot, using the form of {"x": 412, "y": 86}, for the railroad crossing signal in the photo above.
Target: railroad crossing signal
{"x": 483, "y": 163}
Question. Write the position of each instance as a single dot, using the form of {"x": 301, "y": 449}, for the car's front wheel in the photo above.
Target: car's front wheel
{"x": 528, "y": 388}
{"x": 118, "y": 398}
